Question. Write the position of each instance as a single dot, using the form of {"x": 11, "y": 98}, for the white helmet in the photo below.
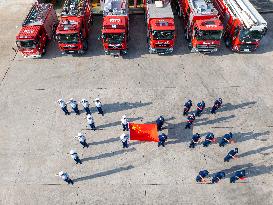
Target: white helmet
{"x": 97, "y": 99}
{"x": 124, "y": 116}
{"x": 72, "y": 151}
{"x": 71, "y": 99}
{"x": 123, "y": 135}
{"x": 61, "y": 173}
{"x": 89, "y": 116}
{"x": 79, "y": 134}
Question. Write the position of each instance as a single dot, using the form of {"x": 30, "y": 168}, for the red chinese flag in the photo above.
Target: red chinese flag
{"x": 143, "y": 132}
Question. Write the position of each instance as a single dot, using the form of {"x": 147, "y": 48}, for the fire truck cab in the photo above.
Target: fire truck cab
{"x": 115, "y": 28}
{"x": 73, "y": 29}
{"x": 160, "y": 26}
{"x": 244, "y": 26}
{"x": 37, "y": 29}
{"x": 203, "y": 29}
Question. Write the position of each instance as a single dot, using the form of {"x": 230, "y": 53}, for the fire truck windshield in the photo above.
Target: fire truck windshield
{"x": 208, "y": 35}
{"x": 163, "y": 35}
{"x": 68, "y": 38}
{"x": 250, "y": 35}
{"x": 113, "y": 37}
{"x": 26, "y": 44}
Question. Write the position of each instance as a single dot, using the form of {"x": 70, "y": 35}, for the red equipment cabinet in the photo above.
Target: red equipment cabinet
{"x": 37, "y": 29}
{"x": 115, "y": 28}
{"x": 203, "y": 29}
{"x": 160, "y": 26}
{"x": 73, "y": 29}
{"x": 244, "y": 26}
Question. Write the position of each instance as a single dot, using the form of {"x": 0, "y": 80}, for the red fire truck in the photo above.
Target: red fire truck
{"x": 203, "y": 29}
{"x": 73, "y": 29}
{"x": 160, "y": 26}
{"x": 115, "y": 27}
{"x": 244, "y": 26}
{"x": 37, "y": 29}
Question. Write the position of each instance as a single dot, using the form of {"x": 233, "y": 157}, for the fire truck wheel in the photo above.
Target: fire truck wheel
{"x": 85, "y": 45}
{"x": 44, "y": 51}
{"x": 227, "y": 42}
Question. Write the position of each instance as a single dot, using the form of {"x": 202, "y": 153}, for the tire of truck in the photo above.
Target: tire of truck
{"x": 85, "y": 45}
{"x": 44, "y": 51}
{"x": 227, "y": 42}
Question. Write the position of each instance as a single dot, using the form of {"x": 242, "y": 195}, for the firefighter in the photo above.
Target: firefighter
{"x": 217, "y": 177}
{"x": 91, "y": 122}
{"x": 64, "y": 176}
{"x": 187, "y": 107}
{"x": 74, "y": 155}
{"x": 162, "y": 139}
{"x": 63, "y": 106}
{"x": 85, "y": 105}
{"x": 82, "y": 140}
{"x": 200, "y": 107}
{"x": 74, "y": 106}
{"x": 124, "y": 138}
{"x": 217, "y": 104}
{"x": 190, "y": 120}
{"x": 124, "y": 123}
{"x": 209, "y": 139}
{"x": 159, "y": 122}
{"x": 195, "y": 139}
{"x": 201, "y": 176}
{"x": 238, "y": 175}
{"x": 231, "y": 155}
{"x": 99, "y": 106}
{"x": 227, "y": 138}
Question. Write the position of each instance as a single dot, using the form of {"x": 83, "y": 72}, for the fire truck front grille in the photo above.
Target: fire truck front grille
{"x": 206, "y": 48}
{"x": 158, "y": 45}
{"x": 247, "y": 47}
{"x": 115, "y": 46}
{"x": 70, "y": 48}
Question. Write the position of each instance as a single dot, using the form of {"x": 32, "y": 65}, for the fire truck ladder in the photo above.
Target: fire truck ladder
{"x": 37, "y": 14}
{"x": 115, "y": 7}
{"x": 245, "y": 11}
{"x": 203, "y": 7}
{"x": 74, "y": 7}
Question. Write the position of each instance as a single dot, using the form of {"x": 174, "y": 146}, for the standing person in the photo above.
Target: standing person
{"x": 85, "y": 105}
{"x": 231, "y": 155}
{"x": 82, "y": 140}
{"x": 64, "y": 176}
{"x": 159, "y": 122}
{"x": 227, "y": 138}
{"x": 162, "y": 139}
{"x": 63, "y": 106}
{"x": 124, "y": 138}
{"x": 74, "y": 155}
{"x": 91, "y": 122}
{"x": 187, "y": 107}
{"x": 124, "y": 123}
{"x": 200, "y": 107}
{"x": 217, "y": 177}
{"x": 99, "y": 106}
{"x": 201, "y": 176}
{"x": 195, "y": 139}
{"x": 190, "y": 120}
{"x": 74, "y": 106}
{"x": 217, "y": 104}
{"x": 238, "y": 175}
{"x": 209, "y": 139}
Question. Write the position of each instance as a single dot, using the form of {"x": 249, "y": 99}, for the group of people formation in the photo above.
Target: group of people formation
{"x": 90, "y": 121}
{"x": 209, "y": 139}
{"x": 124, "y": 138}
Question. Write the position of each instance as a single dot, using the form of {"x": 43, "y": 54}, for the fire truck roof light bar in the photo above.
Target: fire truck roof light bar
{"x": 246, "y": 12}
{"x": 115, "y": 7}
{"x": 37, "y": 14}
{"x": 74, "y": 7}
{"x": 203, "y": 7}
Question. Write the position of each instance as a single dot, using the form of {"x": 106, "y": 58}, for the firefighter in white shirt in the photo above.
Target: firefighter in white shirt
{"x": 85, "y": 105}
{"x": 63, "y": 106}
{"x": 124, "y": 123}
{"x": 74, "y": 155}
{"x": 82, "y": 140}
{"x": 74, "y": 105}
{"x": 124, "y": 138}
{"x": 64, "y": 176}
{"x": 91, "y": 122}
{"x": 99, "y": 106}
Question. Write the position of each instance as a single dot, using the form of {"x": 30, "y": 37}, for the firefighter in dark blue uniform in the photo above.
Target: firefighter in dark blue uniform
{"x": 231, "y": 155}
{"x": 217, "y": 104}
{"x": 227, "y": 138}
{"x": 209, "y": 139}
{"x": 159, "y": 122}
{"x": 190, "y": 120}
{"x": 162, "y": 138}
{"x": 217, "y": 177}
{"x": 187, "y": 107}
{"x": 200, "y": 107}
{"x": 195, "y": 139}
{"x": 238, "y": 175}
{"x": 201, "y": 176}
